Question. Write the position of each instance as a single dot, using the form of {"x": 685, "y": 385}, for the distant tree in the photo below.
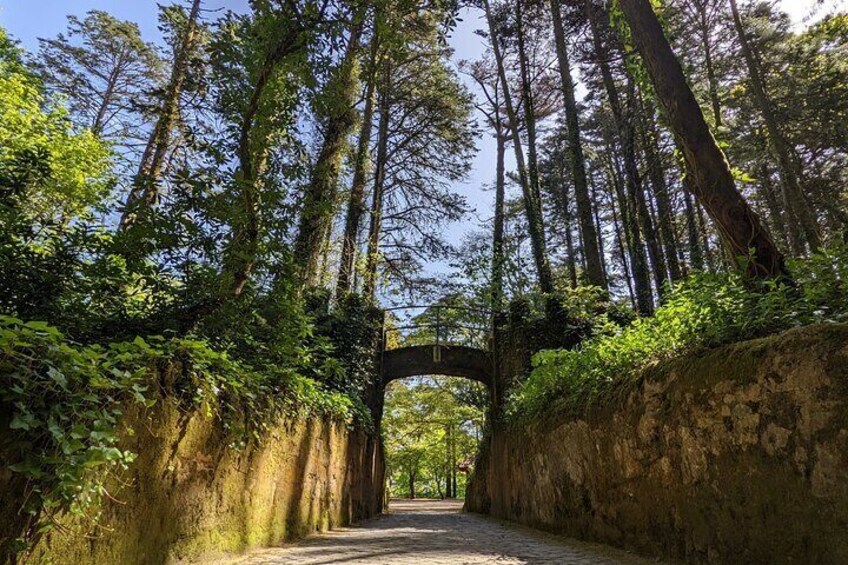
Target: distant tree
{"x": 105, "y": 70}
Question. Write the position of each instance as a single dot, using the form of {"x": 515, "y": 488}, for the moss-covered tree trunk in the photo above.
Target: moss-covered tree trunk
{"x": 376, "y": 223}
{"x": 356, "y": 201}
{"x": 319, "y": 203}
{"x": 145, "y": 187}
{"x": 240, "y": 255}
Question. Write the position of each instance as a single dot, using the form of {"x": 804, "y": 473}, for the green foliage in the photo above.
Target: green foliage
{"x": 47, "y": 171}
{"x": 431, "y": 426}
{"x": 65, "y": 406}
{"x": 99, "y": 65}
{"x": 706, "y": 310}
{"x": 351, "y": 336}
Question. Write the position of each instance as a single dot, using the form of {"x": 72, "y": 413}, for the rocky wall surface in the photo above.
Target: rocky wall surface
{"x": 737, "y": 455}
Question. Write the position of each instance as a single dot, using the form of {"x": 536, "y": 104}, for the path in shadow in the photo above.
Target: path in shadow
{"x": 436, "y": 532}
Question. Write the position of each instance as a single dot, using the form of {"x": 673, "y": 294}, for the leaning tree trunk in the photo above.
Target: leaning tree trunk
{"x": 356, "y": 201}
{"x": 145, "y": 188}
{"x": 532, "y": 206}
{"x": 591, "y": 252}
{"x": 743, "y": 234}
{"x": 319, "y": 204}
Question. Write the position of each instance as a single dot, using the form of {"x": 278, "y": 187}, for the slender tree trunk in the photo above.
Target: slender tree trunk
{"x": 375, "y": 226}
{"x": 571, "y": 259}
{"x": 412, "y": 485}
{"x": 591, "y": 251}
{"x": 564, "y": 205}
{"x": 453, "y": 465}
{"x": 696, "y": 254}
{"x": 629, "y": 202}
{"x": 623, "y": 253}
{"x": 99, "y": 121}
{"x": 783, "y": 151}
{"x": 498, "y": 232}
{"x": 145, "y": 188}
{"x": 767, "y": 190}
{"x": 741, "y": 230}
{"x": 668, "y": 231}
{"x": 319, "y": 204}
{"x": 635, "y": 249}
{"x": 637, "y": 193}
{"x": 712, "y": 81}
{"x": 356, "y": 202}
{"x": 596, "y": 215}
{"x": 532, "y": 206}
{"x": 448, "y": 492}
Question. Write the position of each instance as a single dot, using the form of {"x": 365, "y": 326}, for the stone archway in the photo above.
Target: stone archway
{"x": 448, "y": 360}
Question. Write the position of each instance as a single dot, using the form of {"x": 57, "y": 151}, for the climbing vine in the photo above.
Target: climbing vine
{"x": 65, "y": 405}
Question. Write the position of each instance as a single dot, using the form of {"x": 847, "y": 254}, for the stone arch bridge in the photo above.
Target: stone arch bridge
{"x": 451, "y": 348}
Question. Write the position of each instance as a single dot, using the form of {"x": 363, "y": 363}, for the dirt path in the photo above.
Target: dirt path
{"x": 430, "y": 533}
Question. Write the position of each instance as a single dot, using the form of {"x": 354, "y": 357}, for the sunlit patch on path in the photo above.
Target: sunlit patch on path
{"x": 432, "y": 532}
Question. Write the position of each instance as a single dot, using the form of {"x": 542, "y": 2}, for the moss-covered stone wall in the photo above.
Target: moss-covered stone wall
{"x": 190, "y": 495}
{"x": 737, "y": 455}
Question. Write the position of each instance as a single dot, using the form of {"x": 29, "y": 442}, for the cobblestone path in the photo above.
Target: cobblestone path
{"x": 431, "y": 533}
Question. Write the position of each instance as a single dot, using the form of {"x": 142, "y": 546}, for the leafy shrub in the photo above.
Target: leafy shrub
{"x": 65, "y": 405}
{"x": 706, "y": 310}
{"x": 347, "y": 338}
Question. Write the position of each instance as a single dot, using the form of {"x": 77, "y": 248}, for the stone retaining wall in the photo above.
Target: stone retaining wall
{"x": 738, "y": 455}
{"x": 189, "y": 495}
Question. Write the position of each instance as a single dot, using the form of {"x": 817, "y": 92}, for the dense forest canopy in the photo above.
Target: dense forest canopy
{"x": 245, "y": 192}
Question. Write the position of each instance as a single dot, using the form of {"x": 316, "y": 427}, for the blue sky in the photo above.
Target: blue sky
{"x": 29, "y": 19}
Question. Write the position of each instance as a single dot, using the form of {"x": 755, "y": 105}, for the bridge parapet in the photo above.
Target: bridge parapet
{"x": 437, "y": 324}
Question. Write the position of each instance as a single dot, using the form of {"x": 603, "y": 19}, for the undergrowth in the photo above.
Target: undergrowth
{"x": 706, "y": 310}
{"x": 67, "y": 403}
